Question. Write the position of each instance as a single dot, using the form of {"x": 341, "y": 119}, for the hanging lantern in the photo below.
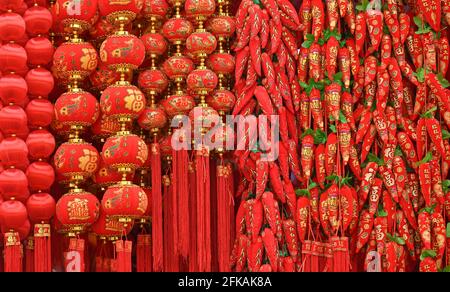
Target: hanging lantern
{"x": 122, "y": 101}
{"x": 77, "y": 108}
{"x": 40, "y": 82}
{"x": 13, "y": 89}
{"x": 40, "y": 113}
{"x": 109, "y": 227}
{"x": 12, "y": 26}
{"x": 122, "y": 51}
{"x": 41, "y": 144}
{"x": 107, "y": 176}
{"x": 120, "y": 11}
{"x": 41, "y": 207}
{"x": 153, "y": 118}
{"x": 124, "y": 151}
{"x": 14, "y": 185}
{"x": 13, "y": 120}
{"x": 13, "y": 214}
{"x": 41, "y": 176}
{"x": 14, "y": 153}
{"x": 66, "y": 15}
{"x": 157, "y": 9}
{"x": 77, "y": 210}
{"x": 39, "y": 51}
{"x": 13, "y": 58}
{"x": 221, "y": 100}
{"x": 38, "y": 20}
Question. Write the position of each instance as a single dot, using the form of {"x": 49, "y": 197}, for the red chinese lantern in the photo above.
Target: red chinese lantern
{"x": 10, "y": 4}
{"x": 103, "y": 77}
{"x": 106, "y": 226}
{"x": 38, "y": 20}
{"x": 157, "y": 9}
{"x": 116, "y": 12}
{"x": 124, "y": 202}
{"x": 39, "y": 51}
{"x": 124, "y": 151}
{"x": 105, "y": 127}
{"x": 155, "y": 44}
{"x": 13, "y": 120}
{"x": 40, "y": 82}
{"x": 40, "y": 113}
{"x": 41, "y": 176}
{"x": 222, "y": 100}
{"x": 77, "y": 108}
{"x": 41, "y": 207}
{"x": 199, "y": 9}
{"x": 122, "y": 100}
{"x": 14, "y": 185}
{"x": 122, "y": 51}
{"x": 75, "y": 17}
{"x": 41, "y": 144}
{"x": 152, "y": 81}
{"x": 153, "y": 118}
{"x": 178, "y": 104}
{"x": 13, "y": 89}
{"x": 77, "y": 210}
{"x": 13, "y": 214}
{"x": 14, "y": 153}
{"x": 13, "y": 58}
{"x": 107, "y": 176}
{"x": 12, "y": 26}
{"x": 222, "y": 63}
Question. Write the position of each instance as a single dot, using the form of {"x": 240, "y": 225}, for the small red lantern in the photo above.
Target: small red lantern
{"x": 40, "y": 113}
{"x": 155, "y": 44}
{"x": 10, "y": 4}
{"x": 77, "y": 210}
{"x": 105, "y": 126}
{"x": 153, "y": 118}
{"x": 38, "y": 20}
{"x": 80, "y": 16}
{"x": 115, "y": 10}
{"x": 221, "y": 26}
{"x": 13, "y": 57}
{"x": 166, "y": 145}
{"x": 155, "y": 8}
{"x": 202, "y": 81}
{"x": 41, "y": 207}
{"x": 125, "y": 151}
{"x": 103, "y": 77}
{"x": 124, "y": 202}
{"x": 13, "y": 215}
{"x": 12, "y": 26}
{"x": 178, "y": 104}
{"x": 221, "y": 63}
{"x": 76, "y": 160}
{"x": 40, "y": 82}
{"x": 75, "y": 59}
{"x": 41, "y": 176}
{"x": 221, "y": 100}
{"x": 177, "y": 29}
{"x": 14, "y": 153}
{"x": 178, "y": 67}
{"x": 13, "y": 120}
{"x": 122, "y": 51}
{"x": 78, "y": 107}
{"x": 13, "y": 89}
{"x": 122, "y": 101}
{"x": 41, "y": 144}
{"x": 201, "y": 43}
{"x": 39, "y": 50}
{"x": 14, "y": 185}
{"x": 152, "y": 81}
{"x": 199, "y": 8}
{"x": 100, "y": 30}
{"x": 204, "y": 116}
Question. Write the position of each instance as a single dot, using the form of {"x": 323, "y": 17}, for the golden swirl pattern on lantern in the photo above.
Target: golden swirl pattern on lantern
{"x": 153, "y": 118}
{"x": 155, "y": 8}
{"x": 155, "y": 44}
{"x": 178, "y": 104}
{"x": 128, "y": 151}
{"x": 76, "y": 159}
{"x": 77, "y": 108}
{"x": 113, "y": 10}
{"x": 198, "y": 8}
{"x": 221, "y": 100}
{"x": 202, "y": 80}
{"x": 201, "y": 43}
{"x": 152, "y": 81}
{"x": 75, "y": 59}
{"x": 178, "y": 67}
{"x": 77, "y": 210}
{"x": 221, "y": 26}
{"x": 122, "y": 101}
{"x": 109, "y": 227}
{"x": 221, "y": 63}
{"x": 64, "y": 12}
{"x": 124, "y": 201}
{"x": 122, "y": 51}
{"x": 177, "y": 29}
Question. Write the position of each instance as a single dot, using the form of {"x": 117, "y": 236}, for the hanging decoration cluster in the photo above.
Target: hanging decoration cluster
{"x": 117, "y": 155}
{"x": 361, "y": 179}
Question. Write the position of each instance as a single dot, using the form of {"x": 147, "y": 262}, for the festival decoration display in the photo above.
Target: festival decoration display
{"x": 117, "y": 153}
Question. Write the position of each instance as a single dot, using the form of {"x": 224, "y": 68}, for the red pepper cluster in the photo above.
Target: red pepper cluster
{"x": 360, "y": 182}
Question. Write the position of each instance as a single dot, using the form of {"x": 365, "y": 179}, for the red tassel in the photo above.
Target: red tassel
{"x": 74, "y": 257}
{"x": 42, "y": 248}
{"x": 12, "y": 252}
{"x": 123, "y": 255}
{"x": 203, "y": 210}
{"x": 180, "y": 185}
{"x": 192, "y": 219}
{"x": 157, "y": 215}
{"x": 167, "y": 235}
{"x": 144, "y": 253}
{"x": 224, "y": 200}
{"x": 306, "y": 256}
{"x": 29, "y": 255}
{"x": 341, "y": 256}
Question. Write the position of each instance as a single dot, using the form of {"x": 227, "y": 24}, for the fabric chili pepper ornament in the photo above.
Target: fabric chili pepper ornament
{"x": 364, "y": 229}
{"x": 431, "y": 11}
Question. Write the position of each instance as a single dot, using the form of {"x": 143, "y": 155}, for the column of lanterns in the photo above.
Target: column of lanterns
{"x": 123, "y": 102}
{"x": 76, "y": 160}
{"x": 13, "y": 150}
